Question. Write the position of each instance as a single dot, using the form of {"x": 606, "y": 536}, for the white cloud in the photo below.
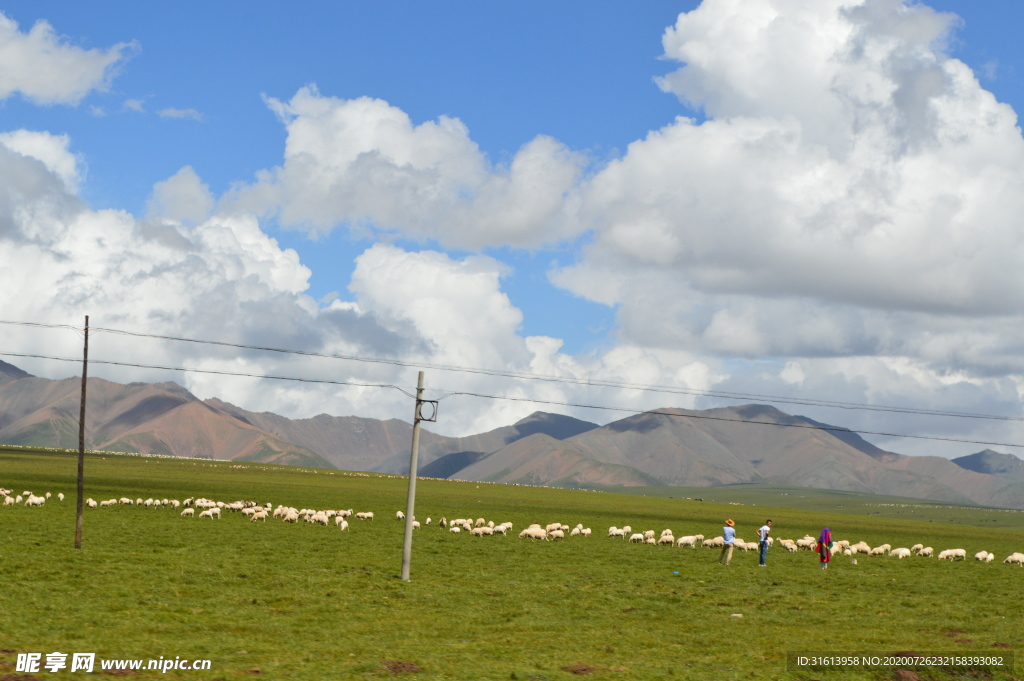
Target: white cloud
{"x": 171, "y": 112}
{"x": 182, "y": 197}
{"x": 50, "y": 150}
{"x": 363, "y": 163}
{"x": 851, "y": 180}
{"x": 45, "y": 69}
{"x": 136, "y": 105}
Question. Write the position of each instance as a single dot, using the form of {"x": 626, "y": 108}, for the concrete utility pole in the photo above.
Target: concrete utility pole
{"x": 410, "y": 504}
{"x": 81, "y": 441}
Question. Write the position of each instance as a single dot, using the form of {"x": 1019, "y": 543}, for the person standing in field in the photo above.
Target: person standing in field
{"x": 762, "y": 541}
{"x": 825, "y": 546}
{"x": 728, "y": 536}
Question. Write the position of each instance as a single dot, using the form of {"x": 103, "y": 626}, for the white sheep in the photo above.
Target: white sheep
{"x": 291, "y": 516}
{"x": 91, "y": 503}
{"x": 8, "y": 501}
{"x": 613, "y": 531}
{"x": 552, "y": 527}
{"x": 649, "y": 534}
{"x": 534, "y": 533}
{"x": 981, "y": 555}
{"x": 188, "y": 513}
{"x": 667, "y": 539}
{"x": 650, "y": 540}
{"x": 415, "y": 524}
{"x": 343, "y": 525}
{"x": 585, "y": 531}
{"x": 926, "y": 552}
{"x": 916, "y": 547}
{"x": 953, "y": 554}
{"x": 878, "y": 551}
{"x": 575, "y": 532}
{"x": 427, "y": 521}
{"x": 900, "y": 553}
{"x": 1017, "y": 558}
{"x": 689, "y": 540}
{"x": 47, "y": 495}
{"x": 455, "y": 529}
{"x": 627, "y": 529}
{"x": 557, "y": 534}
{"x": 636, "y": 538}
{"x": 208, "y": 513}
{"x": 480, "y": 521}
{"x": 259, "y": 515}
{"x": 399, "y": 516}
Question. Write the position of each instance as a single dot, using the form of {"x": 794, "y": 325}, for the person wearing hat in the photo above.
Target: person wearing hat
{"x": 728, "y": 536}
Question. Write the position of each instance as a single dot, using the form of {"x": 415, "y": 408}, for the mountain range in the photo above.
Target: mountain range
{"x": 750, "y": 443}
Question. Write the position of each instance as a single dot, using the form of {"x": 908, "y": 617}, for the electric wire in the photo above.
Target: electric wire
{"x": 518, "y": 399}
{"x": 655, "y": 388}
{"x": 214, "y": 371}
{"x": 708, "y": 417}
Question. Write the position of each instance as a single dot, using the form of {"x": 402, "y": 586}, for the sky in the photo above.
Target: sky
{"x": 811, "y": 200}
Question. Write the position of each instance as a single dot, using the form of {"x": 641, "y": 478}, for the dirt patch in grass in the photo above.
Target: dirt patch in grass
{"x": 399, "y": 667}
{"x": 18, "y": 677}
{"x": 1000, "y": 644}
{"x": 906, "y": 675}
{"x": 953, "y": 633}
{"x": 579, "y": 669}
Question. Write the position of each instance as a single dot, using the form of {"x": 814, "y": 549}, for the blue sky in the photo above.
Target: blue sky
{"x": 634, "y": 285}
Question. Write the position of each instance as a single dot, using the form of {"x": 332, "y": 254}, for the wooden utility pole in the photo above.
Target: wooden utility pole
{"x": 410, "y": 503}
{"x": 81, "y": 441}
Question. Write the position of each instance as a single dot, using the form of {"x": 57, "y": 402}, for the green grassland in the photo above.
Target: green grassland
{"x": 278, "y": 601}
{"x": 828, "y": 502}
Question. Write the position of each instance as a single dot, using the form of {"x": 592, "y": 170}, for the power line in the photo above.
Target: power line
{"x": 212, "y": 371}
{"x": 655, "y": 388}
{"x": 719, "y": 418}
{"x": 519, "y": 399}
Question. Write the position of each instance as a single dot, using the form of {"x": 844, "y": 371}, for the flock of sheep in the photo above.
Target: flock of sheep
{"x": 480, "y": 527}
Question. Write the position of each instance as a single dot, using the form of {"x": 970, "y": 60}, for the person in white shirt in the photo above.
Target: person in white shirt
{"x": 762, "y": 540}
{"x": 728, "y": 536}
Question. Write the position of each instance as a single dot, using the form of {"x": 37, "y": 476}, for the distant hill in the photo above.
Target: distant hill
{"x": 993, "y": 463}
{"x": 750, "y": 443}
{"x": 674, "y": 447}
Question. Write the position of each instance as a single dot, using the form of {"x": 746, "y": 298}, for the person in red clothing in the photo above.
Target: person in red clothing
{"x": 825, "y": 546}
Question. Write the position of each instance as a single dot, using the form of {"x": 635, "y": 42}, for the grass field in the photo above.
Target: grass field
{"x": 301, "y": 601}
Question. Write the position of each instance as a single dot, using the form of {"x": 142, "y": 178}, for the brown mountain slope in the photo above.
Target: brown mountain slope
{"x": 719, "y": 446}
{"x": 539, "y": 459}
{"x": 354, "y": 443}
{"x": 150, "y": 418}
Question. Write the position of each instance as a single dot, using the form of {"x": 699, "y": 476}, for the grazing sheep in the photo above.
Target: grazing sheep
{"x": 613, "y": 531}
{"x": 188, "y": 513}
{"x": 1017, "y": 558}
{"x": 455, "y": 529}
{"x": 926, "y": 552}
{"x": 900, "y": 553}
{"x": 427, "y": 522}
{"x": 667, "y": 539}
{"x": 35, "y": 501}
{"x": 557, "y": 534}
{"x": 585, "y": 531}
{"x": 861, "y": 547}
{"x": 699, "y": 537}
{"x": 208, "y": 513}
{"x": 8, "y": 501}
{"x": 443, "y": 522}
{"x": 259, "y": 515}
{"x": 552, "y": 527}
{"x": 60, "y": 497}
{"x": 399, "y": 516}
{"x": 650, "y": 540}
{"x": 47, "y": 495}
{"x": 534, "y": 533}
{"x": 175, "y": 504}
{"x": 636, "y": 538}
{"x": 806, "y": 543}
{"x": 575, "y": 532}
{"x": 91, "y": 503}
{"x": 916, "y": 547}
{"x": 364, "y": 515}
{"x": 480, "y": 521}
{"x": 953, "y": 554}
{"x": 501, "y": 529}
{"x": 18, "y": 499}
{"x": 878, "y": 551}
{"x": 415, "y": 524}
{"x": 689, "y": 540}
{"x": 343, "y": 525}
{"x": 291, "y": 516}
{"x": 649, "y": 534}
{"x": 627, "y": 529}
{"x": 981, "y": 555}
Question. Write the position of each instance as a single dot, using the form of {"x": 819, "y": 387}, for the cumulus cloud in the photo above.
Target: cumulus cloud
{"x": 363, "y": 163}
{"x": 182, "y": 197}
{"x": 853, "y": 191}
{"x": 45, "y": 69}
{"x": 50, "y": 150}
